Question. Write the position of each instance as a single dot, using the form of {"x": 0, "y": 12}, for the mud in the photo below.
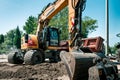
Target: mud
{"x": 43, "y": 71}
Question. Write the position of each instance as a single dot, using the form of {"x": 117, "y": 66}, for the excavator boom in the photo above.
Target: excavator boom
{"x": 49, "y": 11}
{"x": 75, "y": 8}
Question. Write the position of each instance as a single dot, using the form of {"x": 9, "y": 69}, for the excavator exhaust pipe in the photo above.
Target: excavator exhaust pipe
{"x": 78, "y": 63}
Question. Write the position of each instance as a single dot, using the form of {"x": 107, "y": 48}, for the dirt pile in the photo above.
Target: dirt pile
{"x": 44, "y": 71}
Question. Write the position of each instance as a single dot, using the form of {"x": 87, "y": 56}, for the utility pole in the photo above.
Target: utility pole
{"x": 107, "y": 26}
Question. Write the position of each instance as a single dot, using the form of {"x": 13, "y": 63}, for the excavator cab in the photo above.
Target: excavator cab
{"x": 50, "y": 37}
{"x": 54, "y": 37}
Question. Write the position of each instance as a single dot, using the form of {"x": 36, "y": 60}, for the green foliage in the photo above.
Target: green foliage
{"x": 61, "y": 21}
{"x": 113, "y": 49}
{"x": 1, "y": 38}
{"x": 30, "y": 26}
{"x": 17, "y": 39}
{"x": 10, "y": 40}
{"x": 88, "y": 26}
{"x": 10, "y": 37}
{"x": 1, "y": 43}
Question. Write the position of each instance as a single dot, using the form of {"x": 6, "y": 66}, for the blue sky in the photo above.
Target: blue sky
{"x": 16, "y": 12}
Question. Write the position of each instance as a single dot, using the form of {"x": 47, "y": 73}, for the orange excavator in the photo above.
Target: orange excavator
{"x": 84, "y": 58}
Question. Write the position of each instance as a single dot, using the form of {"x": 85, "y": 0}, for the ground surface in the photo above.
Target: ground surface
{"x": 44, "y": 71}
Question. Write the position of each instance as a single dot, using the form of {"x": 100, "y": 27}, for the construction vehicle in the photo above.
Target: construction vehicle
{"x": 36, "y": 49}
{"x": 45, "y": 44}
{"x": 85, "y": 59}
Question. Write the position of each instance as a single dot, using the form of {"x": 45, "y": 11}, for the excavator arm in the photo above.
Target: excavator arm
{"x": 49, "y": 11}
{"x": 75, "y": 8}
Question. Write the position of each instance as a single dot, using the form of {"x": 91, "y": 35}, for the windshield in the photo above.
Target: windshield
{"x": 53, "y": 37}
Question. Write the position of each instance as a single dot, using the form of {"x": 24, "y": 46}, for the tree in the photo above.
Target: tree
{"x": 1, "y": 38}
{"x": 61, "y": 21}
{"x": 10, "y": 37}
{"x": 88, "y": 26}
{"x": 17, "y": 39}
{"x": 30, "y": 25}
{"x": 10, "y": 40}
{"x": 113, "y": 49}
{"x": 1, "y": 41}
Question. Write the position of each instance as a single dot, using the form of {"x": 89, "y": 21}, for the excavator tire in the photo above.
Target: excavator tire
{"x": 14, "y": 58}
{"x": 56, "y": 57}
{"x": 33, "y": 57}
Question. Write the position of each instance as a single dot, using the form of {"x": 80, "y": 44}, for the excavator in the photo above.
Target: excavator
{"x": 84, "y": 58}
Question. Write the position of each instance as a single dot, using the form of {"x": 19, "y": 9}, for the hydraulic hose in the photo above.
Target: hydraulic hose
{"x": 79, "y": 8}
{"x": 82, "y": 3}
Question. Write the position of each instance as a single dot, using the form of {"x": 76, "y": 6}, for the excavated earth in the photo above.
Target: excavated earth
{"x": 43, "y": 71}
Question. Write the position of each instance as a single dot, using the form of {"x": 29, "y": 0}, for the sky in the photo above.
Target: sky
{"x": 14, "y": 13}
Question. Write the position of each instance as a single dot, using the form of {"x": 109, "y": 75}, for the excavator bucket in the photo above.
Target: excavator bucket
{"x": 78, "y": 63}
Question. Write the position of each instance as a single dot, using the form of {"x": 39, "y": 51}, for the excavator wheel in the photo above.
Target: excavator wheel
{"x": 33, "y": 57}
{"x": 55, "y": 56}
{"x": 15, "y": 58}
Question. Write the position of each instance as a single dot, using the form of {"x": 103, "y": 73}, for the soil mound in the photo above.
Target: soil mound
{"x": 43, "y": 71}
